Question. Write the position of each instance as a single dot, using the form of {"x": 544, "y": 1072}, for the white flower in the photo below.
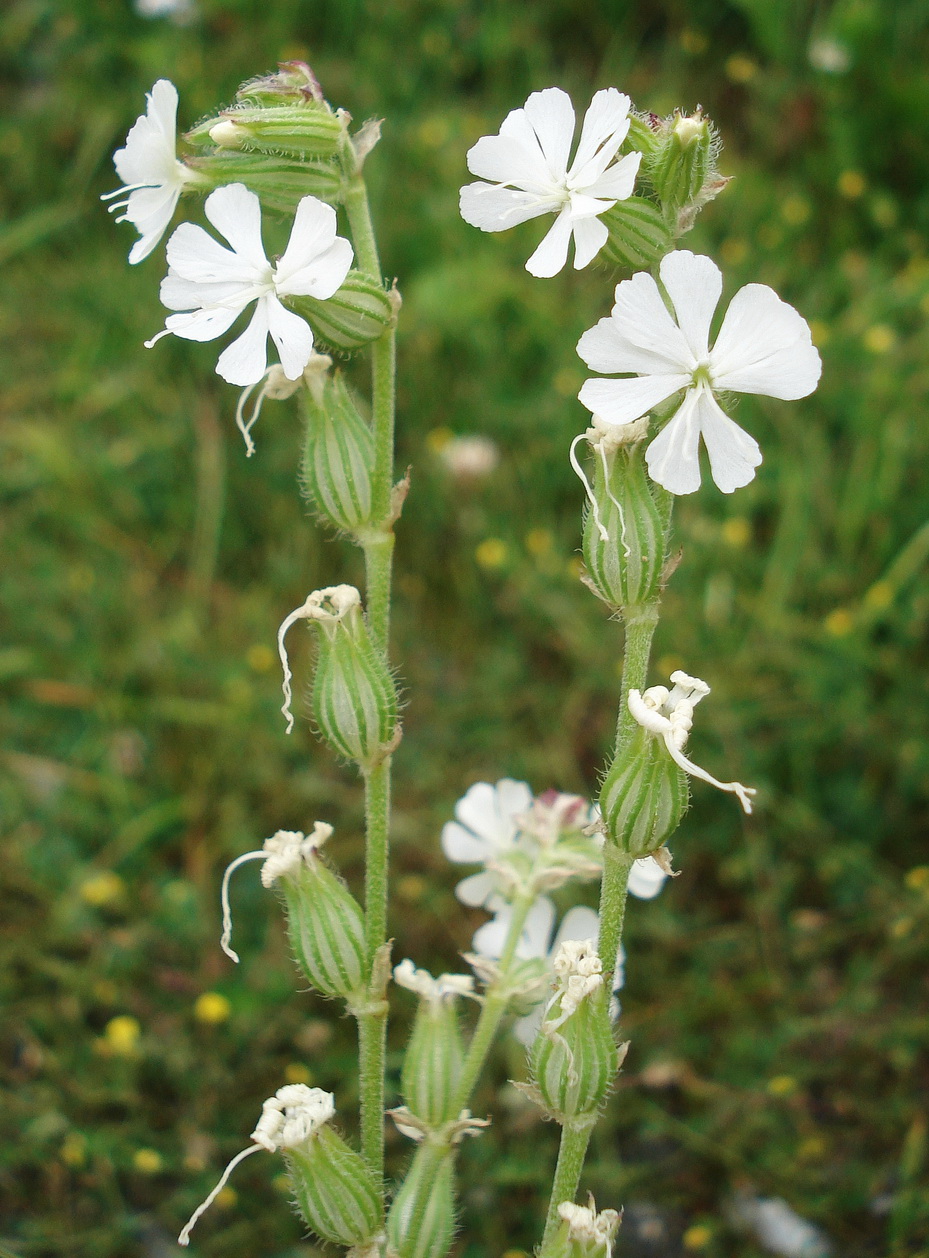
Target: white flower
{"x": 763, "y": 346}
{"x": 589, "y": 1229}
{"x": 486, "y": 829}
{"x": 288, "y": 1119}
{"x": 527, "y": 166}
{"x": 536, "y": 943}
{"x": 148, "y": 166}
{"x": 213, "y": 284}
{"x": 436, "y": 990}
{"x": 669, "y": 714}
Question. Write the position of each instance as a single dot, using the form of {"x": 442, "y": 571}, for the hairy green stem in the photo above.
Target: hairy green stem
{"x": 640, "y": 629}
{"x": 492, "y": 1010}
{"x": 575, "y": 1137}
{"x": 378, "y": 552}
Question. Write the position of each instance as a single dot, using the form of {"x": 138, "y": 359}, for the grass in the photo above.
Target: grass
{"x": 774, "y": 991}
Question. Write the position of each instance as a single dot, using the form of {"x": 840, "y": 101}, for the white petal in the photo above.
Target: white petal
{"x": 694, "y": 283}
{"x": 479, "y": 810}
{"x": 734, "y": 455}
{"x": 494, "y": 209}
{"x": 150, "y": 209}
{"x": 180, "y": 294}
{"x": 646, "y": 878}
{"x": 552, "y": 117}
{"x": 292, "y": 335}
{"x": 513, "y": 798}
{"x": 201, "y": 325}
{"x": 643, "y": 320}
{"x": 537, "y": 932}
{"x": 235, "y": 212}
{"x": 193, "y": 254}
{"x": 477, "y": 890}
{"x": 604, "y": 348}
{"x": 552, "y": 253}
{"x": 246, "y": 359}
{"x": 143, "y": 247}
{"x": 673, "y": 458}
{"x": 579, "y": 922}
{"x": 605, "y": 126}
{"x": 515, "y": 159}
{"x": 618, "y": 182}
{"x": 764, "y": 346}
{"x": 316, "y": 260}
{"x": 149, "y": 154}
{"x": 622, "y": 401}
{"x": 463, "y": 847}
{"x": 489, "y": 939}
{"x": 526, "y": 1029}
{"x": 590, "y": 235}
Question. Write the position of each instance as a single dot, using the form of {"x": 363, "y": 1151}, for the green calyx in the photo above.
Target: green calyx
{"x": 334, "y": 1189}
{"x": 338, "y": 459}
{"x": 325, "y": 926}
{"x": 624, "y": 567}
{"x": 643, "y": 797}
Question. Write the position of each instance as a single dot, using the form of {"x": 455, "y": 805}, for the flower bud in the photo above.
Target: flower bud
{"x": 435, "y": 1052}
{"x": 639, "y": 233}
{"x": 358, "y": 313}
{"x": 353, "y": 698}
{"x": 325, "y": 923}
{"x": 683, "y": 160}
{"x": 584, "y": 1232}
{"x": 334, "y": 1189}
{"x": 294, "y": 83}
{"x": 643, "y": 797}
{"x": 624, "y": 538}
{"x": 574, "y": 1059}
{"x": 280, "y": 182}
{"x": 333, "y": 1185}
{"x": 338, "y": 460}
{"x": 421, "y": 1220}
{"x": 308, "y": 130}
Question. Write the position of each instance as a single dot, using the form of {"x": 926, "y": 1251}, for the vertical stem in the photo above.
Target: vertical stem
{"x": 378, "y": 552}
{"x": 575, "y": 1136}
{"x": 640, "y": 629}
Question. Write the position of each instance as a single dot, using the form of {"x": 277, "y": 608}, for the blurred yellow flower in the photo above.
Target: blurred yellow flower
{"x": 102, "y": 888}
{"x": 260, "y": 658}
{"x": 851, "y": 184}
{"x": 879, "y": 338}
{"x": 917, "y": 879}
{"x": 73, "y": 1150}
{"x": 491, "y": 553}
{"x": 879, "y": 596}
{"x": 226, "y": 1197}
{"x": 737, "y": 531}
{"x": 782, "y": 1085}
{"x": 733, "y": 250}
{"x": 741, "y": 69}
{"x": 698, "y": 1236}
{"x": 539, "y": 542}
{"x": 795, "y": 211}
{"x": 839, "y": 623}
{"x": 212, "y": 1008}
{"x": 148, "y": 1161}
{"x": 694, "y": 42}
{"x": 811, "y": 1149}
{"x": 296, "y": 1072}
{"x": 121, "y": 1035}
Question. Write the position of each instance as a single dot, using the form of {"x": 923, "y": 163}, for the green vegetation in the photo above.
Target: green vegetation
{"x": 775, "y": 993}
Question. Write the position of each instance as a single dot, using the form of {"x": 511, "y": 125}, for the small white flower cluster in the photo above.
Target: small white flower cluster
{"x": 656, "y": 341}
{"x": 209, "y": 285}
{"x": 520, "y": 840}
{"x": 589, "y": 1228}
{"x": 289, "y": 1118}
{"x": 669, "y": 714}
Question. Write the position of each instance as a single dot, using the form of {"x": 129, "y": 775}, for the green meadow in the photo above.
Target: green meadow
{"x": 775, "y": 993}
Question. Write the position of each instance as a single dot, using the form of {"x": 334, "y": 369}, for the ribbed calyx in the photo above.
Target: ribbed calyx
{"x": 325, "y": 923}
{"x": 421, "y": 1219}
{"x": 624, "y": 539}
{"x": 360, "y": 312}
{"x": 681, "y": 166}
{"x": 338, "y": 460}
{"x": 353, "y": 696}
{"x": 280, "y": 182}
{"x": 334, "y": 1189}
{"x": 435, "y": 1052}
{"x": 643, "y": 797}
{"x": 574, "y": 1059}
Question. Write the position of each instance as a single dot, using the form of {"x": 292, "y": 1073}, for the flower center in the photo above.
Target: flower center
{"x": 701, "y": 375}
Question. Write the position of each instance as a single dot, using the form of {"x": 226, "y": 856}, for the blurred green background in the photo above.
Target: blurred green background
{"x": 775, "y": 993}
